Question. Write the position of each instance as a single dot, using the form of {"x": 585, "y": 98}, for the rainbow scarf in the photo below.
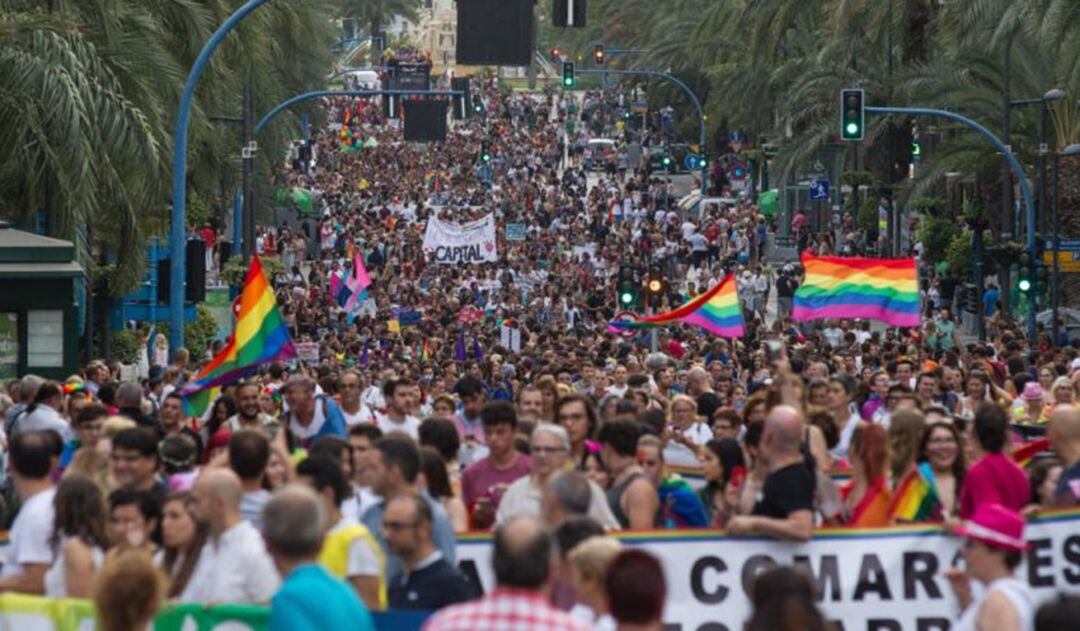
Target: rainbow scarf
{"x": 260, "y": 336}
{"x": 916, "y": 497}
{"x": 717, "y": 311}
{"x": 845, "y": 288}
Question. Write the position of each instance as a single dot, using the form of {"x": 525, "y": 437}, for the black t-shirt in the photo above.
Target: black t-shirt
{"x": 431, "y": 588}
{"x": 785, "y": 491}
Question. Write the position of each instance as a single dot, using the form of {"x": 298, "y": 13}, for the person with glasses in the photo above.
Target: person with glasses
{"x": 550, "y": 449}
{"x": 429, "y": 582}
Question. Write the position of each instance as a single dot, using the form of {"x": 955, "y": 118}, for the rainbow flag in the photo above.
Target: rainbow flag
{"x": 877, "y": 289}
{"x": 717, "y": 311}
{"x": 916, "y": 497}
{"x": 1024, "y": 454}
{"x": 259, "y": 336}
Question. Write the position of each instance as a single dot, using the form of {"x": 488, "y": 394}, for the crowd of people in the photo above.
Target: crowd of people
{"x": 334, "y": 487}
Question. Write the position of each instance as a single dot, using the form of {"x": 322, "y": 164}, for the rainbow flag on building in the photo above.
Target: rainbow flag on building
{"x": 916, "y": 498}
{"x": 845, "y": 288}
{"x": 259, "y": 336}
{"x": 717, "y": 311}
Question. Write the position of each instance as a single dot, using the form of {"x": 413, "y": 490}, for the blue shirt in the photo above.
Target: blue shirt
{"x": 311, "y": 599}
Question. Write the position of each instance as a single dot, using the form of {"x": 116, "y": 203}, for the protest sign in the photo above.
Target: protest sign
{"x": 452, "y": 243}
{"x": 308, "y": 352}
{"x": 887, "y": 579}
{"x": 515, "y": 232}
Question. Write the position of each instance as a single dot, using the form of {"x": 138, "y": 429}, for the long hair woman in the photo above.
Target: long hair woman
{"x": 941, "y": 452}
{"x": 182, "y": 540}
{"x": 78, "y": 538}
{"x": 866, "y": 496}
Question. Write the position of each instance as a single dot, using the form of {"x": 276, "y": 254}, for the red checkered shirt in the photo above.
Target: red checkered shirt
{"x": 505, "y": 609}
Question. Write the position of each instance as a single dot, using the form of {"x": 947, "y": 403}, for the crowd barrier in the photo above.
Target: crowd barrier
{"x": 887, "y": 579}
{"x": 34, "y": 613}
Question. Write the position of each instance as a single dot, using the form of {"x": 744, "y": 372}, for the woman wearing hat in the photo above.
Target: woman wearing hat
{"x": 993, "y": 549}
{"x": 1033, "y": 406}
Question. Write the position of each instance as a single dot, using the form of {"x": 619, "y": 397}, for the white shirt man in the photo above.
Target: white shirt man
{"x": 234, "y": 569}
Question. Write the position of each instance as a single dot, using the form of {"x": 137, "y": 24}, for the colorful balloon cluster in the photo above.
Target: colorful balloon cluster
{"x": 351, "y": 138}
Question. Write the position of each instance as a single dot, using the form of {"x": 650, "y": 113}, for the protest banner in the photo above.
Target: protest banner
{"x": 452, "y": 243}
{"x": 887, "y": 579}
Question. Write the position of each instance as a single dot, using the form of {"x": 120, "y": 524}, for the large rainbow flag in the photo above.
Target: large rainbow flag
{"x": 717, "y": 311}
{"x": 877, "y": 289}
{"x": 259, "y": 336}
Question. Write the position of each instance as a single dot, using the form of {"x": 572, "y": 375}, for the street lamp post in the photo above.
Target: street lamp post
{"x": 1055, "y": 280}
{"x": 178, "y": 225}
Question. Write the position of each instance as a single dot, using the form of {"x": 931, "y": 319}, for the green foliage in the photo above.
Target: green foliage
{"x": 937, "y": 235}
{"x": 124, "y": 347}
{"x": 235, "y": 270}
{"x": 928, "y": 206}
{"x": 959, "y": 255}
{"x": 200, "y": 331}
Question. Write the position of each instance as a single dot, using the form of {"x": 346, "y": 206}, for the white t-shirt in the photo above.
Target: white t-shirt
{"x": 30, "y": 534}
{"x": 410, "y": 426}
{"x": 356, "y": 419}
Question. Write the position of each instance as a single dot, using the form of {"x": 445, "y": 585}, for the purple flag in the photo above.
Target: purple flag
{"x": 459, "y": 347}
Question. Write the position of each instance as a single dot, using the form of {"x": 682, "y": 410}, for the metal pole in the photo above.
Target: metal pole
{"x": 178, "y": 228}
{"x": 1055, "y": 280}
{"x": 1025, "y": 184}
{"x": 1006, "y": 178}
{"x": 685, "y": 88}
{"x": 248, "y": 225}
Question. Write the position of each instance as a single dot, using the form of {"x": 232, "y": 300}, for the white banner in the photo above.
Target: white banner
{"x": 873, "y": 580}
{"x": 452, "y": 243}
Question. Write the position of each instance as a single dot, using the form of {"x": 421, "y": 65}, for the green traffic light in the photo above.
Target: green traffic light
{"x": 626, "y": 298}
{"x": 852, "y": 128}
{"x": 667, "y": 161}
{"x": 1025, "y": 285}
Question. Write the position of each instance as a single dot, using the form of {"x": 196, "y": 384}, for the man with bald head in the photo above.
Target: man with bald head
{"x": 785, "y": 509}
{"x": 233, "y": 566}
{"x": 1064, "y": 436}
{"x": 524, "y": 561}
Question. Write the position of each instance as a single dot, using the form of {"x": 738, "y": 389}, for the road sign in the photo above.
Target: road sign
{"x": 1065, "y": 245}
{"x": 819, "y": 190}
{"x": 1068, "y": 261}
{"x": 691, "y": 162}
{"x": 626, "y": 316}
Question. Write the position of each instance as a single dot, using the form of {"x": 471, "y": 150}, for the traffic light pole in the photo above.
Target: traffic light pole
{"x": 1025, "y": 187}
{"x": 686, "y": 89}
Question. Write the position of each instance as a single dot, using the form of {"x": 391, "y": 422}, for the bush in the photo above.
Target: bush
{"x": 937, "y": 235}
{"x": 200, "y": 331}
{"x": 235, "y": 270}
{"x": 124, "y": 347}
{"x": 959, "y": 255}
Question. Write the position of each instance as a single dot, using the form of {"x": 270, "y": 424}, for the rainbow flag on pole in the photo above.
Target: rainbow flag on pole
{"x": 916, "y": 497}
{"x": 877, "y": 289}
{"x": 1026, "y": 453}
{"x": 717, "y": 311}
{"x": 259, "y": 336}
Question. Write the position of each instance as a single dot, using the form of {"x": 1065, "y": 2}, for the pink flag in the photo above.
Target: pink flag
{"x": 360, "y": 271}
{"x": 335, "y": 285}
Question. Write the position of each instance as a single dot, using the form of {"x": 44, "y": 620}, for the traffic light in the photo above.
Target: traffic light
{"x": 598, "y": 54}
{"x": 556, "y": 54}
{"x": 972, "y": 298}
{"x": 1042, "y": 278}
{"x": 667, "y": 162}
{"x": 628, "y": 291}
{"x": 485, "y": 152}
{"x": 567, "y": 75}
{"x": 656, "y": 285}
{"x": 852, "y": 114}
